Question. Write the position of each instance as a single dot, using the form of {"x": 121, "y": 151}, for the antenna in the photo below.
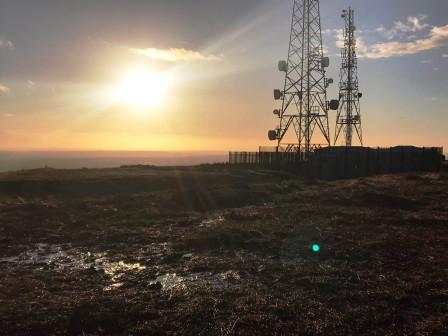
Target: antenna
{"x": 349, "y": 113}
{"x": 304, "y": 95}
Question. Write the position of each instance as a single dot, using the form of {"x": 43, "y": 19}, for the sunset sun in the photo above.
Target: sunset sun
{"x": 142, "y": 88}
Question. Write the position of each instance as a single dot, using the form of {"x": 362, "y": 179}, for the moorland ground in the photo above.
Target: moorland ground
{"x": 218, "y": 251}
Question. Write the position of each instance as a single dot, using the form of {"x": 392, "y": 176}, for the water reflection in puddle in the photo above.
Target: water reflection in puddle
{"x": 58, "y": 258}
{"x": 224, "y": 280}
{"x": 41, "y": 254}
{"x": 64, "y": 257}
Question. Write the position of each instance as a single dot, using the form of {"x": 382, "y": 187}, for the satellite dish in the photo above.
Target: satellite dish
{"x": 325, "y": 62}
{"x": 272, "y": 135}
{"x": 334, "y": 104}
{"x": 283, "y": 66}
{"x": 278, "y": 94}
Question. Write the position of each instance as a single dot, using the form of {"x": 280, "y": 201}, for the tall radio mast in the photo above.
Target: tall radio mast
{"x": 349, "y": 113}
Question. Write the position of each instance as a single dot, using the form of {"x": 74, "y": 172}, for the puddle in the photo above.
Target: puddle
{"x": 49, "y": 255}
{"x": 60, "y": 258}
{"x": 224, "y": 280}
{"x": 57, "y": 257}
{"x": 65, "y": 257}
{"x": 206, "y": 223}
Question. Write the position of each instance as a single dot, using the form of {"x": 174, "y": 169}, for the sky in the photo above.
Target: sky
{"x": 72, "y": 72}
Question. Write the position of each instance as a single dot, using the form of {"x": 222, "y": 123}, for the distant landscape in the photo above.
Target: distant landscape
{"x": 12, "y": 161}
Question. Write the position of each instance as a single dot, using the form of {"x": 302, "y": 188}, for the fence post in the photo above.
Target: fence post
{"x": 390, "y": 161}
{"x": 367, "y": 169}
{"x": 344, "y": 169}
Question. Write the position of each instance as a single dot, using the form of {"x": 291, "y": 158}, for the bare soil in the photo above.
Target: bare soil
{"x": 217, "y": 251}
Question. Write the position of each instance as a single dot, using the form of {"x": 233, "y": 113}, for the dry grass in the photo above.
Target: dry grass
{"x": 381, "y": 270}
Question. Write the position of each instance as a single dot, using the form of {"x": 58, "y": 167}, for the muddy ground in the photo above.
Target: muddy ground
{"x": 218, "y": 251}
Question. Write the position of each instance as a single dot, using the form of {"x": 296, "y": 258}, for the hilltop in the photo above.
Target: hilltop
{"x": 221, "y": 251}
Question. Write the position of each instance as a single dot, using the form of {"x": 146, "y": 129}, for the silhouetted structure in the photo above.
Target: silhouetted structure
{"x": 347, "y": 162}
{"x": 348, "y": 119}
{"x": 304, "y": 95}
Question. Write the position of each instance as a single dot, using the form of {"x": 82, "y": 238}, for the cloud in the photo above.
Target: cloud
{"x": 437, "y": 37}
{"x": 7, "y": 44}
{"x": 169, "y": 55}
{"x": 340, "y": 38}
{"x": 174, "y": 54}
{"x": 445, "y": 55}
{"x": 411, "y": 37}
{"x": 4, "y": 89}
{"x": 330, "y": 31}
{"x": 413, "y": 24}
{"x": 8, "y": 115}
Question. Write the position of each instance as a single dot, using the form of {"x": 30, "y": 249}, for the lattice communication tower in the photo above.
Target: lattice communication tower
{"x": 304, "y": 96}
{"x": 348, "y": 120}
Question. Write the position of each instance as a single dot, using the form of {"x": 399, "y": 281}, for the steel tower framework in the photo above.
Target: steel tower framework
{"x": 348, "y": 118}
{"x": 304, "y": 96}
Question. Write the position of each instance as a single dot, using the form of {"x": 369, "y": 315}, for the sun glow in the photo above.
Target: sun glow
{"x": 142, "y": 88}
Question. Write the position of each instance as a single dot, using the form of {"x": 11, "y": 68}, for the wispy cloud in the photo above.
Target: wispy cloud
{"x": 174, "y": 54}
{"x": 445, "y": 55}
{"x": 4, "y": 89}
{"x": 8, "y": 115}
{"x": 413, "y": 24}
{"x": 331, "y": 31}
{"x": 411, "y": 37}
{"x": 437, "y": 37}
{"x": 7, "y": 44}
{"x": 168, "y": 55}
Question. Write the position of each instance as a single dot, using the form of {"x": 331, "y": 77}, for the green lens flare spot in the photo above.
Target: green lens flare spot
{"x": 316, "y": 248}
